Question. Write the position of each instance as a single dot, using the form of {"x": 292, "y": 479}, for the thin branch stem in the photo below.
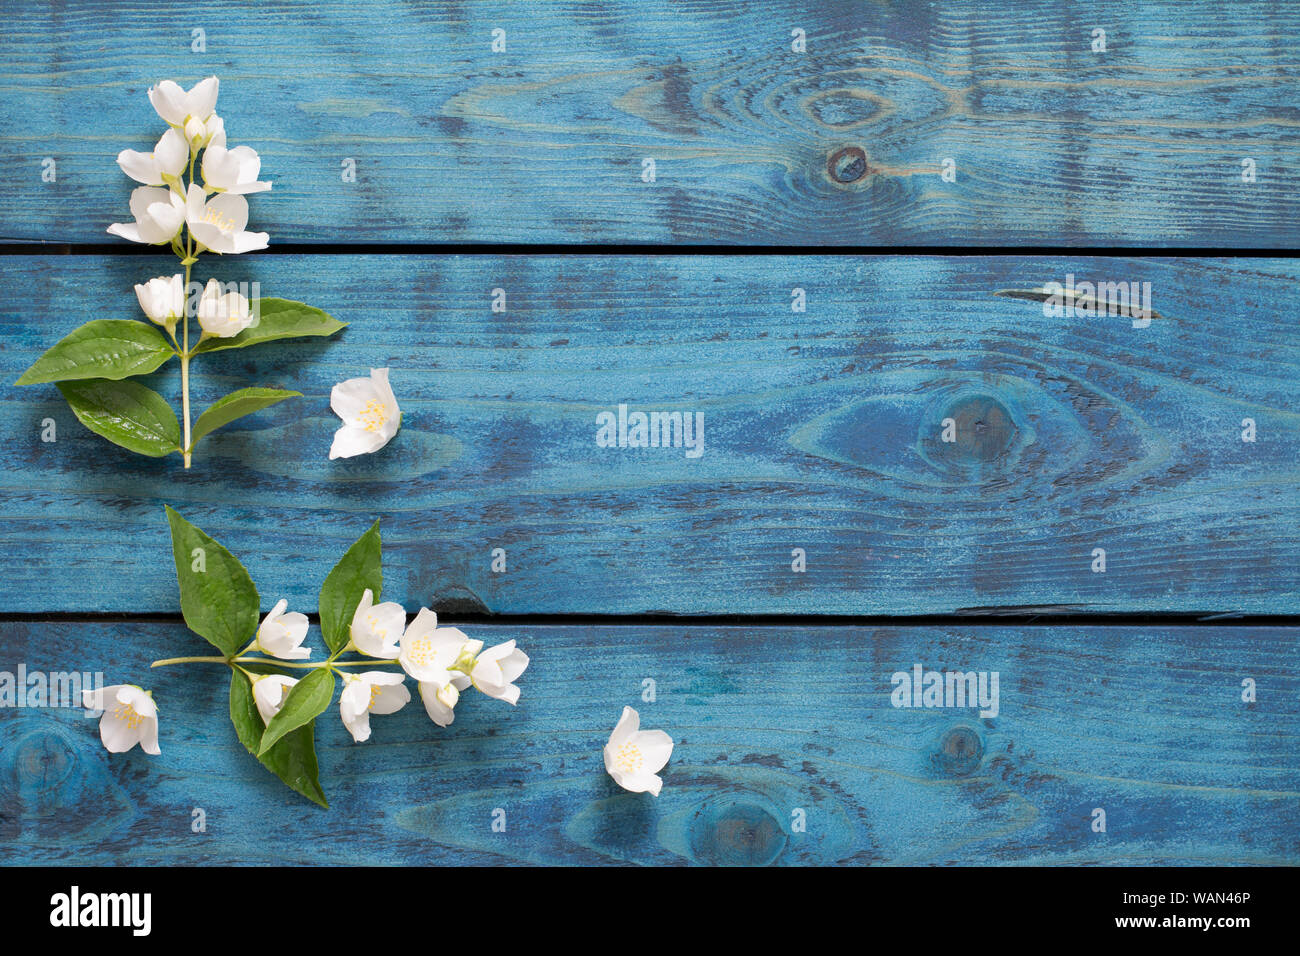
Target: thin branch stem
{"x": 272, "y": 661}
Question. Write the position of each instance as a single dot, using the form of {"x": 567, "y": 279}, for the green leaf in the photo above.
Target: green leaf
{"x": 126, "y": 413}
{"x": 218, "y": 598}
{"x": 293, "y": 759}
{"x": 357, "y": 570}
{"x": 277, "y": 319}
{"x": 106, "y": 348}
{"x": 306, "y": 700}
{"x": 236, "y": 405}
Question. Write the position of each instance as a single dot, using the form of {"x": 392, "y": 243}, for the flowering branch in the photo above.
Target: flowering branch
{"x": 92, "y": 366}
{"x": 274, "y": 714}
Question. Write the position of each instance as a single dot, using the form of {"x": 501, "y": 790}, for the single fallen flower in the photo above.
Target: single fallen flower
{"x": 130, "y": 717}
{"x": 634, "y": 757}
{"x": 369, "y": 412}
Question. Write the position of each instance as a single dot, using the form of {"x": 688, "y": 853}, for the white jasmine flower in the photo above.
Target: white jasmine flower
{"x": 163, "y": 299}
{"x": 281, "y": 635}
{"x": 634, "y": 757}
{"x": 377, "y": 628}
{"x": 178, "y": 107}
{"x": 130, "y": 717}
{"x": 428, "y": 651}
{"x": 372, "y": 692}
{"x": 369, "y": 412}
{"x": 232, "y": 170}
{"x": 270, "y": 692}
{"x": 440, "y": 698}
{"x": 166, "y": 162}
{"x": 496, "y": 669}
{"x": 223, "y": 316}
{"x": 159, "y": 215}
{"x": 218, "y": 223}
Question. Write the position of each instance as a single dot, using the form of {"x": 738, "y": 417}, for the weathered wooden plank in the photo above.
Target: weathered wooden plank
{"x": 1053, "y": 143}
{"x": 1145, "y": 723}
{"x": 822, "y": 432}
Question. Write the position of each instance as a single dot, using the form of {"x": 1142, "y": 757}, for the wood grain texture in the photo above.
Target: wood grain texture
{"x": 1054, "y": 144}
{"x": 822, "y": 432}
{"x": 1147, "y": 724}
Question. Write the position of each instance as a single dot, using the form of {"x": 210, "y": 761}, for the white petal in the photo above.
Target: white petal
{"x": 138, "y": 701}
{"x": 243, "y": 242}
{"x": 143, "y": 197}
{"x": 348, "y": 399}
{"x": 202, "y": 100}
{"x": 656, "y": 747}
{"x": 358, "y": 727}
{"x": 172, "y": 153}
{"x": 127, "y": 230}
{"x": 117, "y": 735}
{"x": 94, "y": 699}
{"x": 142, "y": 167}
{"x": 350, "y": 442}
{"x": 231, "y": 212}
{"x": 170, "y": 101}
{"x": 628, "y": 724}
{"x": 149, "y": 736}
{"x": 391, "y": 699}
{"x": 220, "y": 168}
{"x": 438, "y": 712}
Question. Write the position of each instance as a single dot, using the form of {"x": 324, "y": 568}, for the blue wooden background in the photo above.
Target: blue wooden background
{"x": 1140, "y": 722}
{"x": 821, "y": 427}
{"x": 821, "y": 432}
{"x": 1053, "y": 144}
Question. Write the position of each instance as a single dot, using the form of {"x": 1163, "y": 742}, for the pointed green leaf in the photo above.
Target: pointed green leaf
{"x": 277, "y": 319}
{"x": 293, "y": 759}
{"x": 218, "y": 598}
{"x": 106, "y": 348}
{"x": 306, "y": 700}
{"x": 236, "y": 405}
{"x": 126, "y": 413}
{"x": 357, "y": 570}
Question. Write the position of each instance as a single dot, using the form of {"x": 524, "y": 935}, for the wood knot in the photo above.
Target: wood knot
{"x": 960, "y": 751}
{"x": 46, "y": 772}
{"x": 848, "y": 164}
{"x": 729, "y": 832}
{"x": 969, "y": 435}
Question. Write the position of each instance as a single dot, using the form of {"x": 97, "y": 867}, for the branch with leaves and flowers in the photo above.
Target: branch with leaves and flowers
{"x": 93, "y": 366}
{"x": 276, "y": 692}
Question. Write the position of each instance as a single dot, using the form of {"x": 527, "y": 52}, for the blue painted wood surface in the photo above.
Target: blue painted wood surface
{"x": 1145, "y": 723}
{"x": 1053, "y": 143}
{"x": 822, "y": 432}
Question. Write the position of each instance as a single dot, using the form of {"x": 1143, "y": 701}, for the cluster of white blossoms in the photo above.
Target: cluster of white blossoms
{"x": 443, "y": 661}
{"x": 172, "y": 200}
